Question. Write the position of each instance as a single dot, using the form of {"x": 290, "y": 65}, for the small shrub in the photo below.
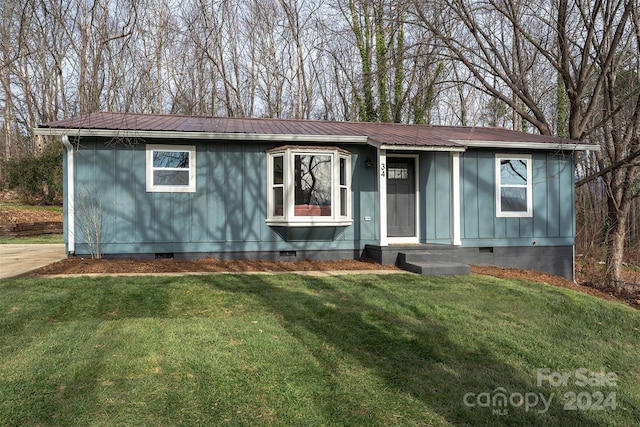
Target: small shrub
{"x": 36, "y": 178}
{"x": 90, "y": 220}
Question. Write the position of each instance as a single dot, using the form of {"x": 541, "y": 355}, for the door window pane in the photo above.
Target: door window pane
{"x": 398, "y": 171}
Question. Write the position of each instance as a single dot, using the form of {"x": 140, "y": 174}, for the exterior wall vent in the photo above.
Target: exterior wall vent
{"x": 164, "y": 255}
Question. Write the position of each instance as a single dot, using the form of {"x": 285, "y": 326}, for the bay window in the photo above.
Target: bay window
{"x": 309, "y": 186}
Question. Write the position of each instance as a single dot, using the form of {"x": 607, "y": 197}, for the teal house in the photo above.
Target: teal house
{"x": 431, "y": 199}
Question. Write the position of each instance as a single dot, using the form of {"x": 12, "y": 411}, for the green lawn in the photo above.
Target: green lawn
{"x": 43, "y": 238}
{"x": 25, "y": 207}
{"x": 306, "y": 351}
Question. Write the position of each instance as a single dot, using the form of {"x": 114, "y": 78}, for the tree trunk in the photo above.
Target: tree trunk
{"x": 363, "y": 40}
{"x": 620, "y": 196}
{"x": 615, "y": 247}
{"x": 381, "y": 61}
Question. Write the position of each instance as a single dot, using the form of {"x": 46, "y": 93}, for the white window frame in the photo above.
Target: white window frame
{"x": 288, "y": 217}
{"x": 156, "y": 188}
{"x": 528, "y": 186}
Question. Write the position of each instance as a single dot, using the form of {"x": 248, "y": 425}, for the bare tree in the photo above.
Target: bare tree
{"x": 587, "y": 46}
{"x": 490, "y": 40}
{"x": 300, "y": 101}
{"x": 398, "y": 68}
{"x": 90, "y": 221}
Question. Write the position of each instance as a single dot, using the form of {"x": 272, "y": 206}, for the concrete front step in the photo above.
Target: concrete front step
{"x": 437, "y": 268}
{"x": 432, "y": 263}
{"x": 430, "y": 255}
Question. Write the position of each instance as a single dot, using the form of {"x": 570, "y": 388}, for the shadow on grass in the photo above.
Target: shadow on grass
{"x": 411, "y": 353}
{"x": 355, "y": 327}
{"x": 54, "y": 342}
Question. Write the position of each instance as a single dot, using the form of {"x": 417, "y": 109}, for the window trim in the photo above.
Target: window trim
{"x": 156, "y": 188}
{"x": 288, "y": 217}
{"x": 528, "y": 187}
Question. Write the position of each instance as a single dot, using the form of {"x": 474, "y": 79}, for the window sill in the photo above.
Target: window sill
{"x": 514, "y": 215}
{"x": 169, "y": 189}
{"x": 311, "y": 222}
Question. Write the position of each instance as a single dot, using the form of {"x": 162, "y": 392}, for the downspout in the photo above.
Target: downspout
{"x": 71, "y": 241}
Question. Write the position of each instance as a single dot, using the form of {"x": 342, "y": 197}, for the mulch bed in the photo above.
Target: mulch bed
{"x": 561, "y": 282}
{"x": 76, "y": 265}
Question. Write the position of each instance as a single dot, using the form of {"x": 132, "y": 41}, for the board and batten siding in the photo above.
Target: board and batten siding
{"x": 435, "y": 197}
{"x": 552, "y": 222}
{"x": 226, "y": 213}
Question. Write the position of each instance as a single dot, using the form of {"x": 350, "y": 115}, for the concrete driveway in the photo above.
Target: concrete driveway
{"x": 16, "y": 260}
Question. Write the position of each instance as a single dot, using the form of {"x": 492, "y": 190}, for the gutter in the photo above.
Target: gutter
{"x": 71, "y": 240}
{"x": 112, "y": 133}
{"x": 568, "y": 146}
{"x": 398, "y": 147}
{"x": 410, "y": 147}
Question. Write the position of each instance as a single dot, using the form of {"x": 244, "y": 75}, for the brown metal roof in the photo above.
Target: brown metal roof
{"x": 377, "y": 133}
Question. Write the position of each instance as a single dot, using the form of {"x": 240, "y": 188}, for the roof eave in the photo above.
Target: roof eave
{"x": 406, "y": 147}
{"x": 462, "y": 145}
{"x": 568, "y": 146}
{"x": 142, "y": 134}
